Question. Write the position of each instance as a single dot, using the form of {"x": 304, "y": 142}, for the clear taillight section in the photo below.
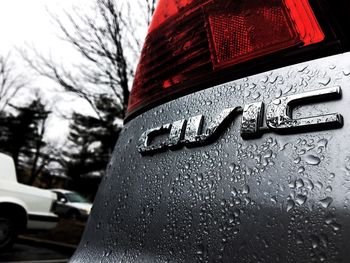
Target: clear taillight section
{"x": 191, "y": 41}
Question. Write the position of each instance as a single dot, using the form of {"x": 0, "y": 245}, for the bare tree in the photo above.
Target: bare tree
{"x": 108, "y": 46}
{"x": 151, "y": 6}
{"x": 108, "y": 43}
{"x": 10, "y": 81}
{"x": 40, "y": 158}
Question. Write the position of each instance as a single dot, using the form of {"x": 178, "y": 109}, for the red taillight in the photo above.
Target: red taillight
{"x": 166, "y": 9}
{"x": 305, "y": 21}
{"x": 191, "y": 40}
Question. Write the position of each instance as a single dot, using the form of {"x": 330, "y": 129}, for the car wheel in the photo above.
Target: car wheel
{"x": 7, "y": 233}
{"x": 74, "y": 215}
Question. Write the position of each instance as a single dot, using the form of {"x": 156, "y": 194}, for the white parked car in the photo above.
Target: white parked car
{"x": 21, "y": 206}
{"x": 72, "y": 205}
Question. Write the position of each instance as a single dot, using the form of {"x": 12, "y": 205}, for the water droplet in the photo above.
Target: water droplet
{"x": 200, "y": 250}
{"x": 290, "y": 205}
{"x": 278, "y": 93}
{"x": 326, "y": 202}
{"x": 245, "y": 189}
{"x": 273, "y": 80}
{"x": 302, "y": 68}
{"x": 346, "y": 72}
{"x": 301, "y": 169}
{"x": 314, "y": 241}
{"x": 325, "y": 81}
{"x": 268, "y": 154}
{"x": 347, "y": 163}
{"x": 300, "y": 199}
{"x": 256, "y": 95}
{"x": 299, "y": 240}
{"x": 232, "y": 167}
{"x": 237, "y": 201}
{"x": 312, "y": 159}
{"x": 336, "y": 227}
{"x": 309, "y": 184}
{"x": 234, "y": 192}
{"x": 323, "y": 143}
{"x": 319, "y": 184}
{"x": 299, "y": 183}
{"x": 329, "y": 189}
{"x": 264, "y": 79}
{"x": 277, "y": 102}
{"x": 274, "y": 199}
{"x": 297, "y": 160}
{"x": 292, "y": 184}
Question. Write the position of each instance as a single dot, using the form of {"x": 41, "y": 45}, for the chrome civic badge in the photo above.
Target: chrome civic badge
{"x": 278, "y": 118}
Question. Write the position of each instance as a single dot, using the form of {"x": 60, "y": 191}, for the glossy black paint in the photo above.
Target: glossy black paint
{"x": 278, "y": 198}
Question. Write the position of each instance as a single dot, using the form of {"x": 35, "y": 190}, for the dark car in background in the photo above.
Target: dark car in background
{"x": 71, "y": 205}
{"x": 236, "y": 145}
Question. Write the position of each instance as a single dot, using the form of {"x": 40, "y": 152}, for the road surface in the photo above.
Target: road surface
{"x": 23, "y": 253}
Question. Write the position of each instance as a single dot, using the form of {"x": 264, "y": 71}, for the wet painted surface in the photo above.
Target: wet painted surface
{"x": 278, "y": 198}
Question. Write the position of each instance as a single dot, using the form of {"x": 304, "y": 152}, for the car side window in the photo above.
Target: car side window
{"x": 60, "y": 196}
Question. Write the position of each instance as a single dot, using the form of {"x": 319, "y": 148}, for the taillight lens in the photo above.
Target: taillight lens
{"x": 191, "y": 40}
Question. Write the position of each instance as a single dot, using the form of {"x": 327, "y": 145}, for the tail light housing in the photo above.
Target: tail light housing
{"x": 191, "y": 43}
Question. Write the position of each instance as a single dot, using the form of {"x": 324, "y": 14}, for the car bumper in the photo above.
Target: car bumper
{"x": 40, "y": 221}
{"x": 280, "y": 197}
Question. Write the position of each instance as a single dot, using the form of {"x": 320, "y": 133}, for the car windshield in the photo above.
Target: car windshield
{"x": 76, "y": 198}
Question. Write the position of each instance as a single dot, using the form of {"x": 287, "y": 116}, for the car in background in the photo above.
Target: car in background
{"x": 22, "y": 207}
{"x": 71, "y": 205}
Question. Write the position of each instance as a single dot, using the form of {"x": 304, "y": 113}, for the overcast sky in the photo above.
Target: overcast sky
{"x": 27, "y": 22}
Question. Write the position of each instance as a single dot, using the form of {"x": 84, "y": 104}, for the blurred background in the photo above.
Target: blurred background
{"x": 66, "y": 70}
